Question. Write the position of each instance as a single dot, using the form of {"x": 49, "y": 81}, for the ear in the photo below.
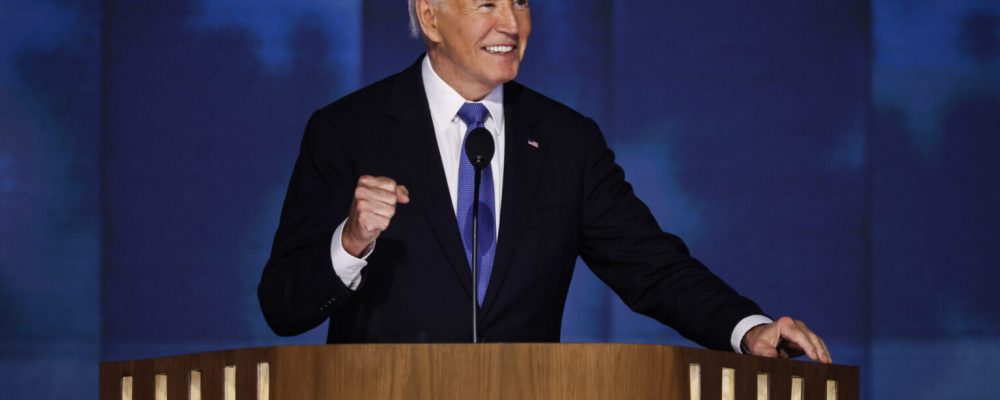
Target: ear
{"x": 427, "y": 15}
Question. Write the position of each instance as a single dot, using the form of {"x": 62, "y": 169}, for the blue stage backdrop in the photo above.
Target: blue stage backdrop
{"x": 935, "y": 171}
{"x": 835, "y": 161}
{"x": 50, "y": 199}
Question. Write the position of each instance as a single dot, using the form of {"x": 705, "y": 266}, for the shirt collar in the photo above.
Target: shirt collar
{"x": 444, "y": 101}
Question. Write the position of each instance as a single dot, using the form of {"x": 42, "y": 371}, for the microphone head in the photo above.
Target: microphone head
{"x": 479, "y": 147}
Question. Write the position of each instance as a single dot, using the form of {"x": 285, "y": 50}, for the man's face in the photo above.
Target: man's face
{"x": 479, "y": 44}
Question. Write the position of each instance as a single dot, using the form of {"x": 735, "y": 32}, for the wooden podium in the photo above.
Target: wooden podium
{"x": 474, "y": 371}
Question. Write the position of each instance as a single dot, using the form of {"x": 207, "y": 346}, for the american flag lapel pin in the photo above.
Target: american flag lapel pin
{"x": 532, "y": 143}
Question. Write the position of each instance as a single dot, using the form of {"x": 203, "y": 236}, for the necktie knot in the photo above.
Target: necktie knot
{"x": 474, "y": 114}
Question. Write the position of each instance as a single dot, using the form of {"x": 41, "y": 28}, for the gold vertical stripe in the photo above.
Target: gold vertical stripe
{"x": 194, "y": 385}
{"x": 263, "y": 381}
{"x": 161, "y": 387}
{"x": 229, "y": 381}
{"x": 694, "y": 375}
{"x": 831, "y": 390}
{"x": 797, "y": 388}
{"x": 762, "y": 387}
{"x": 728, "y": 384}
{"x": 126, "y": 388}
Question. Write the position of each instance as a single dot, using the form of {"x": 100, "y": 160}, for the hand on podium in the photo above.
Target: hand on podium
{"x": 786, "y": 338}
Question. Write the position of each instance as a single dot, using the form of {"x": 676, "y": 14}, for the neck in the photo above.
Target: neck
{"x": 450, "y": 74}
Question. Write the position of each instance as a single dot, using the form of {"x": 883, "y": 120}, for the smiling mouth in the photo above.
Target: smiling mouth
{"x": 499, "y": 49}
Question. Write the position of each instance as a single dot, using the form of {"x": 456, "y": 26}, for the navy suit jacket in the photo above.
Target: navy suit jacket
{"x": 565, "y": 197}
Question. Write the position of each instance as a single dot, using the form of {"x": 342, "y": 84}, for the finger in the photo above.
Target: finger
{"x": 795, "y": 335}
{"x": 821, "y": 349}
{"x": 821, "y": 352}
{"x": 375, "y": 194}
{"x": 376, "y": 207}
{"x": 825, "y": 352}
{"x": 402, "y": 194}
{"x": 380, "y": 182}
{"x": 788, "y": 328}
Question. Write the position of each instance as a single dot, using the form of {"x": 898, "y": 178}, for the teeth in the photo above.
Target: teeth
{"x": 499, "y": 49}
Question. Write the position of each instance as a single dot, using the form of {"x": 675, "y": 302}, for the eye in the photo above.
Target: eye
{"x": 521, "y": 3}
{"x": 488, "y": 5}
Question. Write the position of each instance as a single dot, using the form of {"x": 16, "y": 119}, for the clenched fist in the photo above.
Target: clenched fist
{"x": 374, "y": 204}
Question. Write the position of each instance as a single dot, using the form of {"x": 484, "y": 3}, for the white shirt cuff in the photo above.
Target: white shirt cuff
{"x": 346, "y": 266}
{"x": 743, "y": 327}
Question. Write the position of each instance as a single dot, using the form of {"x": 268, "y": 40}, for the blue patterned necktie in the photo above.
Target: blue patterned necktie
{"x": 474, "y": 114}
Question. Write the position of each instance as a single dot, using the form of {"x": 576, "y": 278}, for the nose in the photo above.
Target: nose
{"x": 506, "y": 20}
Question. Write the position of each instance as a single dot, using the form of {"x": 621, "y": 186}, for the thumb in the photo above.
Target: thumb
{"x": 402, "y": 194}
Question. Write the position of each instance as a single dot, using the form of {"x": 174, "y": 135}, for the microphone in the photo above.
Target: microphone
{"x": 479, "y": 149}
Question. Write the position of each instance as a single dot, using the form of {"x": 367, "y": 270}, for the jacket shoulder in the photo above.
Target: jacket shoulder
{"x": 364, "y": 101}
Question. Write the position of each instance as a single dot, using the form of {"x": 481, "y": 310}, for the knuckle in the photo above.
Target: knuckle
{"x": 385, "y": 182}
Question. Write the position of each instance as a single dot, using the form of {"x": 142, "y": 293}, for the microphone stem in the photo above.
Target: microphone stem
{"x": 475, "y": 256}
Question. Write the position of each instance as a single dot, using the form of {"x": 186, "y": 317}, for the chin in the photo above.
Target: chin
{"x": 507, "y": 76}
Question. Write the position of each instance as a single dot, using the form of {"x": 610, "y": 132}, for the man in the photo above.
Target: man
{"x": 375, "y": 230}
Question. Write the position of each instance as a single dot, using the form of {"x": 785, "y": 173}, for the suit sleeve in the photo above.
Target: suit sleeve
{"x": 299, "y": 289}
{"x": 651, "y": 270}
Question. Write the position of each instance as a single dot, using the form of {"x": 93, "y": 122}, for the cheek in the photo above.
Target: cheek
{"x": 524, "y": 22}
{"x": 456, "y": 38}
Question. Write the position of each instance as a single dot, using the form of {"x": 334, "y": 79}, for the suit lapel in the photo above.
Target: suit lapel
{"x": 520, "y": 182}
{"x": 415, "y": 146}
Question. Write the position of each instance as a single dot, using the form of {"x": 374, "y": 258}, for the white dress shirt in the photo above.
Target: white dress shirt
{"x": 449, "y": 130}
